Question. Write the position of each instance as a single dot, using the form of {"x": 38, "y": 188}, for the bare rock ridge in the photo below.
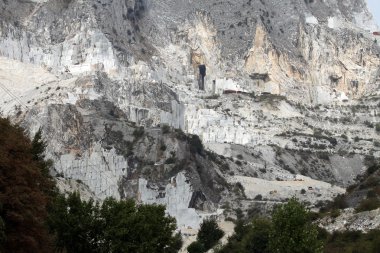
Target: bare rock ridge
{"x": 290, "y": 104}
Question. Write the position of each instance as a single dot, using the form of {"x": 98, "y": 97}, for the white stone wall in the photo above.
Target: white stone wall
{"x": 177, "y": 197}
{"x": 100, "y": 169}
{"x": 79, "y": 54}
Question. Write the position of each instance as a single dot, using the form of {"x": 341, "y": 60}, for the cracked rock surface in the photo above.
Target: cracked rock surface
{"x": 290, "y": 106}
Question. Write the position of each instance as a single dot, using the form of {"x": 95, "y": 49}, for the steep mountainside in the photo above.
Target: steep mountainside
{"x": 291, "y": 97}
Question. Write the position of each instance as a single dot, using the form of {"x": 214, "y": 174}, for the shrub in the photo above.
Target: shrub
{"x": 196, "y": 247}
{"x": 150, "y": 163}
{"x": 170, "y": 160}
{"x": 263, "y": 170}
{"x": 196, "y": 145}
{"x": 333, "y": 141}
{"x": 239, "y": 189}
{"x": 352, "y": 241}
{"x": 239, "y": 214}
{"x": 323, "y": 156}
{"x": 138, "y": 132}
{"x": 339, "y": 202}
{"x": 372, "y": 169}
{"x": 335, "y": 213}
{"x": 368, "y": 124}
{"x": 370, "y": 183}
{"x": 371, "y": 194}
{"x": 180, "y": 135}
{"x": 216, "y": 96}
{"x": 377, "y": 127}
{"x": 368, "y": 205}
{"x": 287, "y": 167}
{"x": 209, "y": 234}
{"x": 165, "y": 129}
{"x": 213, "y": 157}
{"x": 225, "y": 167}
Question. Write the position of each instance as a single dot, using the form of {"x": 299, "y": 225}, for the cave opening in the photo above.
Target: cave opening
{"x": 202, "y": 74}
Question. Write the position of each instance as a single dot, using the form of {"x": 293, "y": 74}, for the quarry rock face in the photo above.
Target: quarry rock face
{"x": 290, "y": 101}
{"x": 349, "y": 220}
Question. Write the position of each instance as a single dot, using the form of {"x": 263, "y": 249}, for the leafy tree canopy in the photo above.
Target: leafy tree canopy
{"x": 293, "y": 231}
{"x": 115, "y": 226}
{"x": 208, "y": 236}
{"x": 289, "y": 231}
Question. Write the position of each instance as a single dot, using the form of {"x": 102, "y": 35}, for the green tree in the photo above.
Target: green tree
{"x": 146, "y": 228}
{"x": 116, "y": 221}
{"x": 155, "y": 230}
{"x": 235, "y": 244}
{"x": 209, "y": 233}
{"x": 377, "y": 127}
{"x": 75, "y": 224}
{"x": 293, "y": 231}
{"x": 38, "y": 148}
{"x": 353, "y": 241}
{"x": 257, "y": 238}
{"x": 114, "y": 227}
{"x": 196, "y": 247}
{"x": 252, "y": 237}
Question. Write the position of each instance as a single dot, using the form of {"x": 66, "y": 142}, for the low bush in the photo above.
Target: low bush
{"x": 377, "y": 127}
{"x": 165, "y": 129}
{"x": 138, "y": 132}
{"x": 368, "y": 205}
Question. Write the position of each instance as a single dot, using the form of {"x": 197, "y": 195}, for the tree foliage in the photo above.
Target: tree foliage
{"x": 257, "y": 238}
{"x": 249, "y": 238}
{"x": 196, "y": 247}
{"x": 23, "y": 188}
{"x": 209, "y": 233}
{"x": 292, "y": 230}
{"x": 74, "y": 224}
{"x": 208, "y": 236}
{"x": 38, "y": 152}
{"x": 196, "y": 145}
{"x": 140, "y": 229}
{"x": 115, "y": 226}
{"x": 352, "y": 241}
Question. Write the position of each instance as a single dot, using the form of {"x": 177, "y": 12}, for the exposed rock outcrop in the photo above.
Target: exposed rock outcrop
{"x": 292, "y": 87}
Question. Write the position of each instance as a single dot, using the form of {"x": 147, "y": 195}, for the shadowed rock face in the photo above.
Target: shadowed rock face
{"x": 114, "y": 157}
{"x": 302, "y": 79}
